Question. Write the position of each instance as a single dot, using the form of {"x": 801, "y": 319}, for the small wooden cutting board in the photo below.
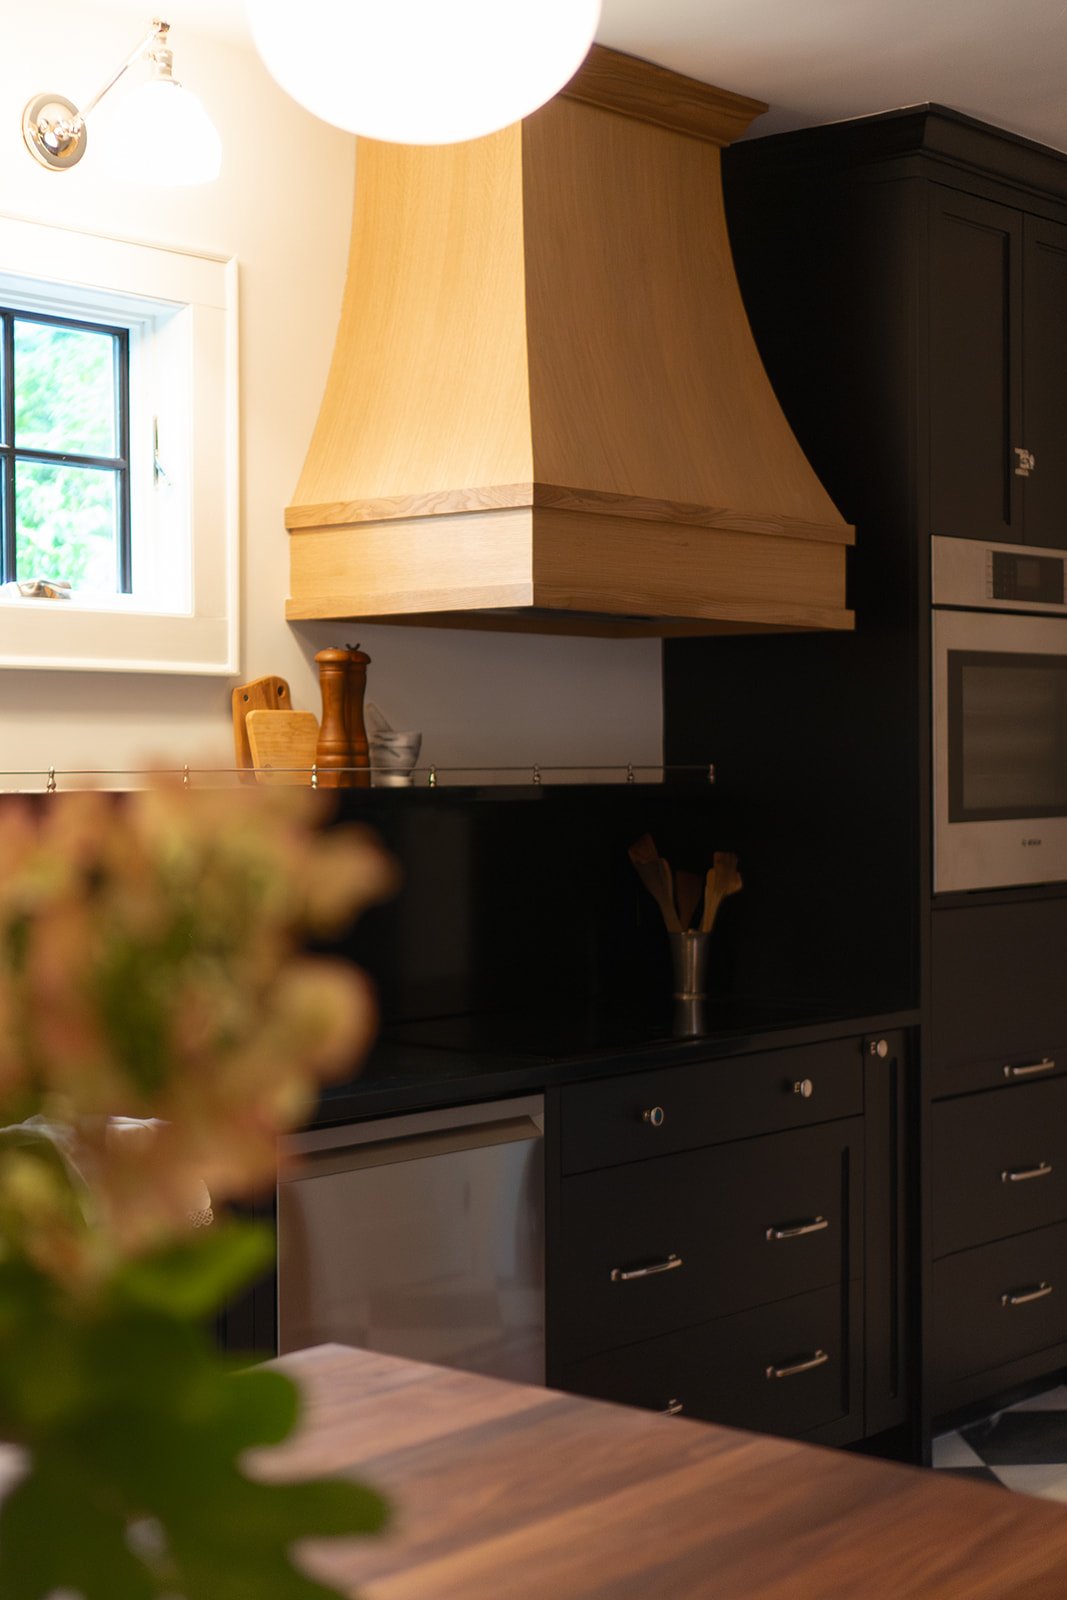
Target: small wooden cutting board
{"x": 262, "y": 694}
{"x": 282, "y": 745}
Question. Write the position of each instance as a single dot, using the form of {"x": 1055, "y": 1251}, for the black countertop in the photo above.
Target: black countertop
{"x": 481, "y": 1056}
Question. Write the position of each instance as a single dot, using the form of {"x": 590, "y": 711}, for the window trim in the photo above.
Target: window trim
{"x": 198, "y": 632}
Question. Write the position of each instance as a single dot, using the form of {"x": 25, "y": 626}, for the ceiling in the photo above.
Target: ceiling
{"x": 827, "y": 59}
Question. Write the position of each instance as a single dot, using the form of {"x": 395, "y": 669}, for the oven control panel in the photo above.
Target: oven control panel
{"x": 1038, "y": 579}
{"x": 993, "y": 577}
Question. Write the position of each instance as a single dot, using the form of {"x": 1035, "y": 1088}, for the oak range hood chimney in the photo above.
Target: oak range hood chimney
{"x": 545, "y": 408}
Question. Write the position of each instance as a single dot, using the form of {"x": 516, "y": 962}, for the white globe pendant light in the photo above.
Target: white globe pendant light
{"x": 423, "y": 71}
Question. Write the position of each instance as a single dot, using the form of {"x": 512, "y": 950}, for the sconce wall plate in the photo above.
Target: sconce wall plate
{"x": 54, "y": 131}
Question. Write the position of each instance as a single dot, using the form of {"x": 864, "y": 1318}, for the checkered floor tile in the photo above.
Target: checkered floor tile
{"x": 1023, "y": 1448}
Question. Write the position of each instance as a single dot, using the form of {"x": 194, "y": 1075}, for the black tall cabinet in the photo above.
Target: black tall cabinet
{"x": 906, "y": 279}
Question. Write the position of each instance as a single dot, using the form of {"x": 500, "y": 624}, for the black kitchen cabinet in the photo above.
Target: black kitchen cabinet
{"x": 998, "y": 1165}
{"x": 754, "y": 1271}
{"x": 789, "y": 1368}
{"x": 1045, "y": 379}
{"x": 906, "y": 280}
{"x": 998, "y": 371}
{"x": 996, "y": 1186}
{"x": 998, "y": 997}
{"x": 976, "y": 349}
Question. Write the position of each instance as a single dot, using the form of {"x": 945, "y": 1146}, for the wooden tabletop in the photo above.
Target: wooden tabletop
{"x": 505, "y": 1492}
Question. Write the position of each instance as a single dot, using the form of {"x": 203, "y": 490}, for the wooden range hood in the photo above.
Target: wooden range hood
{"x": 545, "y": 408}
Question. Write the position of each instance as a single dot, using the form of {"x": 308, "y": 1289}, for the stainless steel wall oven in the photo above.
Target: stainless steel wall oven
{"x": 999, "y": 715}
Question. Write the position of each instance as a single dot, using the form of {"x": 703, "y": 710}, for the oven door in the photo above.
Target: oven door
{"x": 1000, "y": 750}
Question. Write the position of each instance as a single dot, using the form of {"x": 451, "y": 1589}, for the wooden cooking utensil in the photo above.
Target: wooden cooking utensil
{"x": 688, "y": 887}
{"x": 262, "y": 694}
{"x": 655, "y": 874}
{"x": 283, "y": 745}
{"x": 723, "y": 879}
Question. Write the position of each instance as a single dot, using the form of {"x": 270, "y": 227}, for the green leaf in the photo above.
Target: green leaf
{"x": 133, "y": 1421}
{"x": 201, "y": 1273}
{"x": 54, "y": 1534}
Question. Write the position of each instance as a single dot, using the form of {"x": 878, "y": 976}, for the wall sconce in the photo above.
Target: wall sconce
{"x": 158, "y": 134}
{"x": 423, "y": 71}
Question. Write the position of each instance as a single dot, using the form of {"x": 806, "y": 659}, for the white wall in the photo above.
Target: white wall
{"x": 282, "y": 206}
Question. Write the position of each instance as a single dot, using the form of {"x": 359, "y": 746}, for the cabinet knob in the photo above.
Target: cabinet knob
{"x": 655, "y": 1117}
{"x": 1025, "y": 462}
{"x": 880, "y": 1048}
{"x": 804, "y": 1087}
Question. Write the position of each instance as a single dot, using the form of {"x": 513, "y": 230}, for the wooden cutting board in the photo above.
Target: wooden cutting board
{"x": 282, "y": 745}
{"x": 262, "y": 694}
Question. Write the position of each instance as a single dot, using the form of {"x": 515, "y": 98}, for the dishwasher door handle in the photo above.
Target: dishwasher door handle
{"x": 415, "y": 1138}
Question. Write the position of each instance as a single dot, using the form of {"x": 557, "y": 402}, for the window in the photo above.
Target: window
{"x": 118, "y": 454}
{"x": 64, "y": 452}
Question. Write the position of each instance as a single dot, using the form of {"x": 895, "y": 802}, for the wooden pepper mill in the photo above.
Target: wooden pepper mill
{"x": 342, "y": 757}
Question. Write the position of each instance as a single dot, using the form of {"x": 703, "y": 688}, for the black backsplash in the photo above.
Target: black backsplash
{"x": 526, "y": 898}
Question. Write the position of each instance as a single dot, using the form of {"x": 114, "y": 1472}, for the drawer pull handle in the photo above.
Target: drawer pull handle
{"x": 1023, "y": 1297}
{"x": 655, "y": 1116}
{"x": 804, "y": 1087}
{"x": 672, "y": 1263}
{"x": 795, "y": 1230}
{"x": 1030, "y": 1068}
{"x": 673, "y": 1408}
{"x": 1022, "y": 1174}
{"x": 819, "y": 1359}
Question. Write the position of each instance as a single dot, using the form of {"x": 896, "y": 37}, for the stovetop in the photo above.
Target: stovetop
{"x": 555, "y": 1035}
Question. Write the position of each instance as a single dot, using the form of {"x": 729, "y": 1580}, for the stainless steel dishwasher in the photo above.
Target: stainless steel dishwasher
{"x": 420, "y": 1236}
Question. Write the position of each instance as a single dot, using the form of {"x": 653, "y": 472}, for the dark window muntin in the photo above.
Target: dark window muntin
{"x": 10, "y": 454}
{"x": 1003, "y": 661}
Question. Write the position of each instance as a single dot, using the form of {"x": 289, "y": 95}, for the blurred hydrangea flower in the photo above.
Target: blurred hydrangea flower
{"x": 152, "y": 965}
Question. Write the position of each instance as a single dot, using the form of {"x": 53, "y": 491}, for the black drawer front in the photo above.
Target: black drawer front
{"x": 780, "y": 1369}
{"x": 998, "y": 998}
{"x": 708, "y": 1102}
{"x": 998, "y": 1164}
{"x": 998, "y": 1303}
{"x": 716, "y": 1231}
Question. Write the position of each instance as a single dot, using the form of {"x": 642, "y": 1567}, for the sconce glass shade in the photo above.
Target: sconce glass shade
{"x": 158, "y": 134}
{"x": 423, "y": 71}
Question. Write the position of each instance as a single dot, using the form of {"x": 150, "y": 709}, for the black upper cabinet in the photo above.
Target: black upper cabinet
{"x": 976, "y": 399}
{"x": 931, "y": 290}
{"x": 998, "y": 371}
{"x": 1045, "y": 380}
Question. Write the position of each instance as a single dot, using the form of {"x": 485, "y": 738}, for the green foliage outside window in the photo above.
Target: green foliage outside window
{"x": 66, "y": 515}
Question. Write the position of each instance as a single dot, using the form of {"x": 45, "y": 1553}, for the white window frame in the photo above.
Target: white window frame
{"x": 181, "y": 312}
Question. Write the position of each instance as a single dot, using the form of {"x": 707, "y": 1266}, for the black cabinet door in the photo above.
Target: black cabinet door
{"x": 787, "y": 1368}
{"x": 1045, "y": 381}
{"x": 998, "y": 1164}
{"x": 660, "y": 1245}
{"x": 976, "y": 251}
{"x": 998, "y": 996}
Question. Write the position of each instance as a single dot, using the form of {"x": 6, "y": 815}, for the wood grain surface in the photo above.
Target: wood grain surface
{"x": 548, "y": 320}
{"x": 637, "y": 88}
{"x": 283, "y": 745}
{"x": 261, "y": 694}
{"x": 505, "y": 1490}
{"x": 584, "y": 562}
